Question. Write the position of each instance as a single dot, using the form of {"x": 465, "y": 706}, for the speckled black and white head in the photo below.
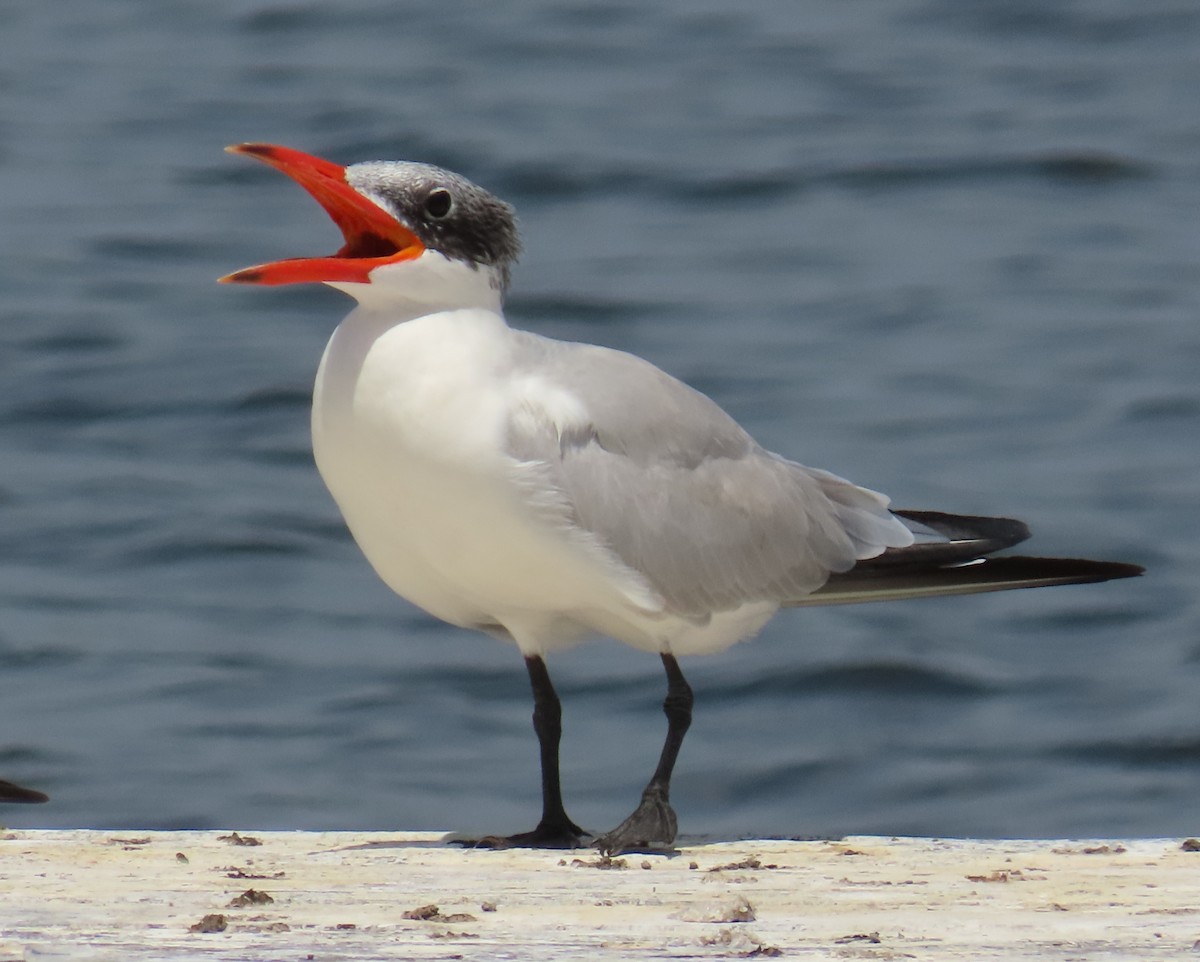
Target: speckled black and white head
{"x": 452, "y": 216}
{"x": 413, "y": 232}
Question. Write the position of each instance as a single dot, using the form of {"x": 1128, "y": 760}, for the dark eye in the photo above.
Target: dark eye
{"x": 438, "y": 203}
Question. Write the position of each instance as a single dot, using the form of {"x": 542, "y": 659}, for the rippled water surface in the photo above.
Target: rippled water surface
{"x": 946, "y": 249}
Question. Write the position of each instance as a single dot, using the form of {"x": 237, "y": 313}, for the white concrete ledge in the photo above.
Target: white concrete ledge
{"x": 352, "y": 895}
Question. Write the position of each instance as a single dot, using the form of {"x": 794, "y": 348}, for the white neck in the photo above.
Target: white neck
{"x": 428, "y": 284}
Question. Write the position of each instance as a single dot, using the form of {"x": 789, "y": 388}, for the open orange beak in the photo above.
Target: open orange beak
{"x": 373, "y": 236}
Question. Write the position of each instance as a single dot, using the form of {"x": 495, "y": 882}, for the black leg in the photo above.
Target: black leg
{"x": 555, "y": 830}
{"x": 652, "y": 824}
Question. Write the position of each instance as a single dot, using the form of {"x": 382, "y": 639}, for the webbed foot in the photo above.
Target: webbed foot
{"x": 651, "y": 827}
{"x": 565, "y": 834}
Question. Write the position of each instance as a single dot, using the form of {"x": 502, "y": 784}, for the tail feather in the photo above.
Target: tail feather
{"x": 966, "y": 537}
{"x": 955, "y": 564}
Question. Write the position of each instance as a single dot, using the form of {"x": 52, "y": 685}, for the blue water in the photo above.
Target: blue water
{"x": 947, "y": 249}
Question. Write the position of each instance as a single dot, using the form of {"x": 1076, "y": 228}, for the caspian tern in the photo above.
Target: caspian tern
{"x": 541, "y": 491}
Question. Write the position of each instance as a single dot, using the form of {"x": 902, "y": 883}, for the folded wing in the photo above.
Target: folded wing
{"x": 663, "y": 479}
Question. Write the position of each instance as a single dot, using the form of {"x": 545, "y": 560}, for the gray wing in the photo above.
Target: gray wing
{"x": 667, "y": 482}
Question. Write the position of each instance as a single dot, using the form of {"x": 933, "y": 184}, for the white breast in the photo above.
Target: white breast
{"x": 409, "y": 423}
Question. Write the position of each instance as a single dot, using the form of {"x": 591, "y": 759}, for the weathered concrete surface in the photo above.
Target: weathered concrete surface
{"x": 351, "y": 895}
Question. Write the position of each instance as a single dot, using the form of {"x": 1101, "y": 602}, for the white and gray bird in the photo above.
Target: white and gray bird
{"x": 542, "y": 491}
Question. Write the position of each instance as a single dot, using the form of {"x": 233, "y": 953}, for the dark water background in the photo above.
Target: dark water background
{"x": 948, "y": 248}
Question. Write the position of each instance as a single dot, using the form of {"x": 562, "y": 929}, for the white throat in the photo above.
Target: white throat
{"x": 428, "y": 284}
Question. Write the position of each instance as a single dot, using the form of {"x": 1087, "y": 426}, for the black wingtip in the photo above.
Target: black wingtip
{"x": 1083, "y": 570}
{"x": 894, "y": 583}
{"x": 16, "y": 793}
